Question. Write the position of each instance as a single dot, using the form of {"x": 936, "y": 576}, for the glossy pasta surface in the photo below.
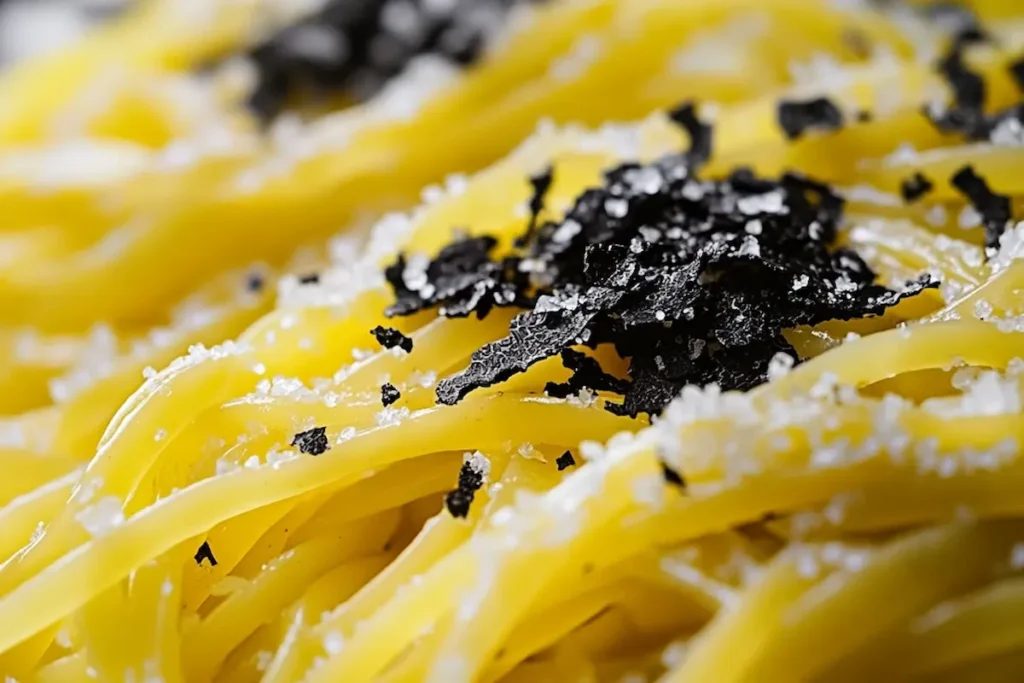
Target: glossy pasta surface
{"x": 575, "y": 340}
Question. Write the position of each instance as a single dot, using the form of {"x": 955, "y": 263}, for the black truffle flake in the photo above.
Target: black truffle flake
{"x": 797, "y": 117}
{"x": 389, "y": 338}
{"x": 701, "y": 134}
{"x": 693, "y": 281}
{"x": 565, "y": 461}
{"x": 462, "y": 279}
{"x": 672, "y": 476}
{"x": 541, "y": 184}
{"x": 309, "y": 279}
{"x": 1017, "y": 72}
{"x": 389, "y": 394}
{"x": 356, "y": 46}
{"x": 994, "y": 208}
{"x": 915, "y": 187}
{"x": 458, "y": 500}
{"x": 312, "y": 441}
{"x": 254, "y": 283}
{"x": 205, "y": 553}
{"x": 966, "y": 115}
{"x": 586, "y": 374}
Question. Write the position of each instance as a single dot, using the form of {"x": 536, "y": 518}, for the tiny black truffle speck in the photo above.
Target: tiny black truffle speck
{"x": 254, "y": 282}
{"x": 389, "y": 394}
{"x": 312, "y": 441}
{"x": 915, "y": 187}
{"x": 205, "y": 553}
{"x": 309, "y": 279}
{"x": 672, "y": 476}
{"x": 389, "y": 338}
{"x": 458, "y": 500}
{"x": 797, "y": 117}
{"x": 565, "y": 460}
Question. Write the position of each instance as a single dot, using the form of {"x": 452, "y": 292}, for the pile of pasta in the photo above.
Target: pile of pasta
{"x": 252, "y": 512}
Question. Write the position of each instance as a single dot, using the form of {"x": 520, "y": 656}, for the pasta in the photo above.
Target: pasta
{"x": 730, "y": 393}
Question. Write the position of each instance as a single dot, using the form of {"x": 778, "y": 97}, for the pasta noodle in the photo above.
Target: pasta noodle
{"x": 730, "y": 393}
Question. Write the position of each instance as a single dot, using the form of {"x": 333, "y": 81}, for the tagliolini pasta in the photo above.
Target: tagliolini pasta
{"x": 434, "y": 457}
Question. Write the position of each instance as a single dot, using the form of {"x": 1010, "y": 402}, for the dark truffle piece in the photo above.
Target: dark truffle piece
{"x": 864, "y": 116}
{"x": 309, "y": 279}
{"x": 1017, "y": 72}
{"x": 693, "y": 281}
{"x": 254, "y": 283}
{"x": 356, "y": 46}
{"x": 205, "y": 553}
{"x": 458, "y": 500}
{"x": 462, "y": 279}
{"x": 701, "y": 134}
{"x": 389, "y": 394}
{"x": 586, "y": 374}
{"x": 797, "y": 117}
{"x": 672, "y": 476}
{"x": 915, "y": 187}
{"x": 994, "y": 208}
{"x": 565, "y": 460}
{"x": 312, "y": 441}
{"x": 966, "y": 115}
{"x": 541, "y": 184}
{"x": 389, "y": 338}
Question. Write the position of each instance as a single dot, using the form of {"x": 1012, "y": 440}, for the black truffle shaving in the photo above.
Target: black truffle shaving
{"x": 1017, "y": 71}
{"x": 459, "y": 499}
{"x": 994, "y": 208}
{"x": 355, "y": 46}
{"x": 701, "y": 134}
{"x": 389, "y": 338}
{"x": 389, "y": 394}
{"x": 254, "y": 283}
{"x": 586, "y": 374}
{"x": 820, "y": 114}
{"x": 693, "y": 281}
{"x": 205, "y": 553}
{"x": 915, "y": 187}
{"x": 540, "y": 183}
{"x": 309, "y": 279}
{"x": 672, "y": 476}
{"x": 461, "y": 280}
{"x": 312, "y": 441}
{"x": 966, "y": 114}
{"x": 565, "y": 460}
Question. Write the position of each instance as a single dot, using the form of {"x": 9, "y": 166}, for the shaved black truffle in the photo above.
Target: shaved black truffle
{"x": 312, "y": 441}
{"x": 462, "y": 279}
{"x": 458, "y": 500}
{"x": 254, "y": 283}
{"x": 309, "y": 279}
{"x": 672, "y": 476}
{"x": 1017, "y": 71}
{"x": 565, "y": 460}
{"x": 540, "y": 183}
{"x": 205, "y": 553}
{"x": 915, "y": 187}
{"x": 389, "y": 338}
{"x": 701, "y": 134}
{"x": 966, "y": 114}
{"x": 693, "y": 281}
{"x": 586, "y": 374}
{"x": 797, "y": 117}
{"x": 864, "y": 116}
{"x": 994, "y": 208}
{"x": 356, "y": 46}
{"x": 389, "y": 394}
